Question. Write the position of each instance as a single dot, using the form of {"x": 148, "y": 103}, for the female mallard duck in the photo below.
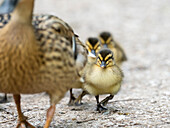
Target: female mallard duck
{"x": 107, "y": 41}
{"x": 34, "y": 64}
{"x": 42, "y": 22}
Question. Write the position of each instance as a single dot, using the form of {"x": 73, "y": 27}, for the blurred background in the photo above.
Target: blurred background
{"x": 127, "y": 19}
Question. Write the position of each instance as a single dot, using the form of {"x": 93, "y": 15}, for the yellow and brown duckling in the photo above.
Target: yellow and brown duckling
{"x": 107, "y": 41}
{"x": 93, "y": 46}
{"x": 102, "y": 77}
{"x": 33, "y": 63}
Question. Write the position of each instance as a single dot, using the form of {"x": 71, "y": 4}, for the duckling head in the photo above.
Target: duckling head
{"x": 105, "y": 58}
{"x": 105, "y": 38}
{"x": 93, "y": 46}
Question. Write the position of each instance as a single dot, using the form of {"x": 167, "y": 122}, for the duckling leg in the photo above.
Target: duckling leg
{"x": 72, "y": 98}
{"x": 50, "y": 114}
{"x": 100, "y": 108}
{"x": 4, "y": 100}
{"x": 22, "y": 119}
{"x": 105, "y": 101}
{"x": 78, "y": 100}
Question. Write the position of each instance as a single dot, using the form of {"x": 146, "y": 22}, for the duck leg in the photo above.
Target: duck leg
{"x": 4, "y": 100}
{"x": 22, "y": 119}
{"x": 72, "y": 98}
{"x": 78, "y": 100}
{"x": 100, "y": 108}
{"x": 50, "y": 114}
{"x": 105, "y": 101}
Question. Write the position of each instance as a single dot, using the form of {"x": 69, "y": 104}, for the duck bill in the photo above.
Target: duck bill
{"x": 104, "y": 45}
{"x": 93, "y": 52}
{"x": 103, "y": 64}
{"x": 91, "y": 55}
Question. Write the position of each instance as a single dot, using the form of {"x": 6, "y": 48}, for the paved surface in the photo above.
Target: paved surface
{"x": 142, "y": 27}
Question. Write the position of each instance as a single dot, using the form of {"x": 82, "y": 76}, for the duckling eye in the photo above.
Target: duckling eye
{"x": 108, "y": 61}
{"x": 88, "y": 48}
{"x": 99, "y": 61}
{"x": 97, "y": 49}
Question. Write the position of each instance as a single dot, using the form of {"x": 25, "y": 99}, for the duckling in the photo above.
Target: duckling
{"x": 34, "y": 64}
{"x": 102, "y": 77}
{"x": 93, "y": 46}
{"x": 107, "y": 41}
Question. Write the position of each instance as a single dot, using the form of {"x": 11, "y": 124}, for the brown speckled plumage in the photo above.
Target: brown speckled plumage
{"x": 38, "y": 59}
{"x": 55, "y": 26}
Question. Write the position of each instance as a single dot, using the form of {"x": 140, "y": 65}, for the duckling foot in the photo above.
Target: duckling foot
{"x": 100, "y": 108}
{"x": 72, "y": 98}
{"x": 105, "y": 101}
{"x": 78, "y": 103}
{"x": 71, "y": 101}
{"x": 24, "y": 124}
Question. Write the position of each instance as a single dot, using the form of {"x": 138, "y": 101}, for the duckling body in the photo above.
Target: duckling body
{"x": 107, "y": 41}
{"x": 102, "y": 81}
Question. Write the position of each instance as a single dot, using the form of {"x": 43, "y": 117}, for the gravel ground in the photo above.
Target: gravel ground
{"x": 142, "y": 27}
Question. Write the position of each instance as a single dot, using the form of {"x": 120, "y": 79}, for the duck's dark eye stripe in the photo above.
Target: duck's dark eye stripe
{"x": 110, "y": 58}
{"x": 100, "y": 59}
{"x": 97, "y": 46}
